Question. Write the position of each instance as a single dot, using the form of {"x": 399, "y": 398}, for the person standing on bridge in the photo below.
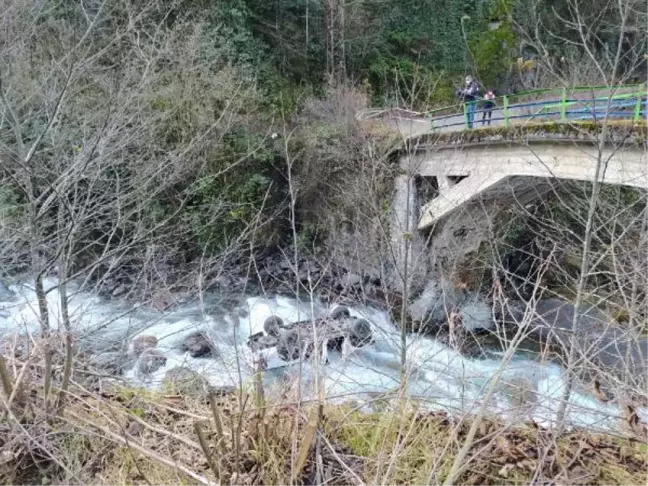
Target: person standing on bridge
{"x": 470, "y": 93}
{"x": 489, "y": 104}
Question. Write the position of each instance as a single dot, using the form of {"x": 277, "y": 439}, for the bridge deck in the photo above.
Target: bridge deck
{"x": 555, "y": 105}
{"x": 491, "y": 167}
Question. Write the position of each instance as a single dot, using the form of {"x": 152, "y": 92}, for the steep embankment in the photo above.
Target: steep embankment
{"x": 122, "y": 436}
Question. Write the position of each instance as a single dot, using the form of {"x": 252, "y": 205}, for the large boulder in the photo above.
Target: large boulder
{"x": 143, "y": 342}
{"x": 184, "y": 381}
{"x": 112, "y": 362}
{"x": 150, "y": 361}
{"x": 438, "y": 299}
{"x": 199, "y": 345}
{"x": 475, "y": 314}
{"x": 556, "y": 317}
{"x": 599, "y": 340}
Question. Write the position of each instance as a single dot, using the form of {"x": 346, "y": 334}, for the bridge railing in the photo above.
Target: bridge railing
{"x": 549, "y": 105}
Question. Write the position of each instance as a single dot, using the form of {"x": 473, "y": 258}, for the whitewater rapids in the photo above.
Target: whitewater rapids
{"x": 438, "y": 377}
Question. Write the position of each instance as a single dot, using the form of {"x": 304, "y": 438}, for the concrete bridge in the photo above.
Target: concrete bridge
{"x": 534, "y": 138}
{"x": 502, "y": 171}
{"x": 485, "y": 161}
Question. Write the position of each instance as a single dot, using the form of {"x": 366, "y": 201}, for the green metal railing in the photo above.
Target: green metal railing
{"x": 563, "y": 104}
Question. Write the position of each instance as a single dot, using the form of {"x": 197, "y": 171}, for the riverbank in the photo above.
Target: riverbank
{"x": 277, "y": 272}
{"x": 132, "y": 436}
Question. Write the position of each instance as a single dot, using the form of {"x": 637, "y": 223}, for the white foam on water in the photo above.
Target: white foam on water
{"x": 438, "y": 376}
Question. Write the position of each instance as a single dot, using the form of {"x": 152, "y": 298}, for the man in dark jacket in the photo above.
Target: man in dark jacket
{"x": 469, "y": 94}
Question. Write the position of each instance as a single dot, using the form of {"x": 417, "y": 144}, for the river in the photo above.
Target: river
{"x": 439, "y": 378}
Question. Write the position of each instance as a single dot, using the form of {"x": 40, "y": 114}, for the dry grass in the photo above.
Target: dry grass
{"x": 426, "y": 443}
{"x": 120, "y": 435}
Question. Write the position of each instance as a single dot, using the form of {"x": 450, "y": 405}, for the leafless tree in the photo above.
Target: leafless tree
{"x": 89, "y": 156}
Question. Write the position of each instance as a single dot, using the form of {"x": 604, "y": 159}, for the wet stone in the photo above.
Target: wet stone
{"x": 199, "y": 345}
{"x": 150, "y": 361}
{"x": 142, "y": 343}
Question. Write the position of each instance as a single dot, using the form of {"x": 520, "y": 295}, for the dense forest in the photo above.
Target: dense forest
{"x": 201, "y": 86}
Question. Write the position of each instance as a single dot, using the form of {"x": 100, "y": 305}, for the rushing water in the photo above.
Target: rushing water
{"x": 438, "y": 376}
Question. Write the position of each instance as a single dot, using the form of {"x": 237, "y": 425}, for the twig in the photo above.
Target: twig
{"x": 220, "y": 444}
{"x": 309, "y": 436}
{"x": 359, "y": 481}
{"x": 184, "y": 440}
{"x": 5, "y": 378}
{"x": 204, "y": 445}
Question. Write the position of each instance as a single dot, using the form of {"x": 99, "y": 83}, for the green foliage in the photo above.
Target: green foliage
{"x": 227, "y": 26}
{"x": 294, "y": 31}
{"x": 284, "y": 99}
{"x": 493, "y": 47}
{"x": 553, "y": 23}
{"x": 307, "y": 236}
{"x": 10, "y": 202}
{"x": 417, "y": 42}
{"x": 391, "y": 46}
{"x": 222, "y": 205}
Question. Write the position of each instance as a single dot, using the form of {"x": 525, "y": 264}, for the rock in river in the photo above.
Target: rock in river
{"x": 187, "y": 382}
{"x": 113, "y": 362}
{"x": 184, "y": 381}
{"x": 150, "y": 361}
{"x": 143, "y": 342}
{"x": 199, "y": 345}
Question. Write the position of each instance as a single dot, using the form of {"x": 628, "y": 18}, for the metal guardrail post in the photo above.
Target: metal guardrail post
{"x": 563, "y": 105}
{"x": 465, "y": 107}
{"x": 506, "y": 112}
{"x": 637, "y": 109}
